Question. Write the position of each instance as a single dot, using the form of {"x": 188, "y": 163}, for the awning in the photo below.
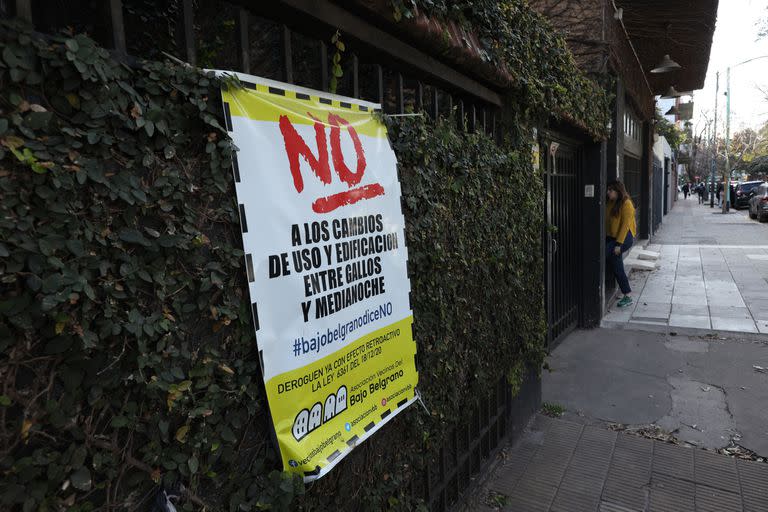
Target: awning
{"x": 683, "y": 29}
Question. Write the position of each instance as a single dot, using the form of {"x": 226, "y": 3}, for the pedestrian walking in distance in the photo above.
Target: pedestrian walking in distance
{"x": 620, "y": 230}
{"x": 702, "y": 190}
{"x": 686, "y": 189}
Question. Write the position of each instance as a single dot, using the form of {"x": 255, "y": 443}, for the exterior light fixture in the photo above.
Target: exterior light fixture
{"x": 666, "y": 65}
{"x": 672, "y": 111}
{"x": 672, "y": 93}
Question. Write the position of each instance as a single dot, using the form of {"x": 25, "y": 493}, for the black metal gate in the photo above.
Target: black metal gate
{"x": 658, "y": 193}
{"x": 563, "y": 167}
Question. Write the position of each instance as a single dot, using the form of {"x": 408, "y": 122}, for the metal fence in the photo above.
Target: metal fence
{"x": 290, "y": 41}
{"x": 564, "y": 244}
{"x": 275, "y": 42}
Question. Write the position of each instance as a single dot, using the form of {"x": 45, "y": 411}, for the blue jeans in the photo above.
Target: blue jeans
{"x": 616, "y": 263}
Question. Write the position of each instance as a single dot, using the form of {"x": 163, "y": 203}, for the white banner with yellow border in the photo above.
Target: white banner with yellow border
{"x": 324, "y": 241}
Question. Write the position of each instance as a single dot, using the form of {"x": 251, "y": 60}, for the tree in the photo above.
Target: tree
{"x": 674, "y": 135}
{"x": 758, "y": 168}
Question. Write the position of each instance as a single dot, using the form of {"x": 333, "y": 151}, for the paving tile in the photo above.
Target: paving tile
{"x": 759, "y": 312}
{"x": 721, "y": 286}
{"x": 709, "y": 499}
{"x": 690, "y": 309}
{"x": 569, "y": 499}
{"x": 729, "y": 302}
{"x": 695, "y": 300}
{"x": 652, "y": 311}
{"x": 754, "y": 485}
{"x": 733, "y": 324}
{"x": 618, "y": 315}
{"x": 532, "y": 496}
{"x": 608, "y": 506}
{"x": 672, "y": 460}
{"x": 753, "y": 295}
{"x": 513, "y": 467}
{"x": 565, "y": 432}
{"x": 730, "y": 312}
{"x": 716, "y": 471}
{"x": 762, "y": 326}
{"x": 671, "y": 495}
{"x": 630, "y": 473}
{"x": 634, "y": 444}
{"x": 691, "y": 321}
{"x": 654, "y": 296}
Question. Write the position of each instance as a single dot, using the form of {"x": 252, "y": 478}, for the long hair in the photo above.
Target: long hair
{"x": 623, "y": 196}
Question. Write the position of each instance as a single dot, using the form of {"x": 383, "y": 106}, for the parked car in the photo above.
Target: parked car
{"x": 744, "y": 192}
{"x": 758, "y": 205}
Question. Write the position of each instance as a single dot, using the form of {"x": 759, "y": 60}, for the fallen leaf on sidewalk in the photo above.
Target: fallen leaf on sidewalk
{"x": 739, "y": 452}
{"x": 760, "y": 369}
{"x": 705, "y": 389}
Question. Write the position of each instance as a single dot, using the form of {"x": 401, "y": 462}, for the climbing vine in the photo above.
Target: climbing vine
{"x": 127, "y": 362}
{"x": 546, "y": 79}
{"x": 336, "y": 70}
{"x": 128, "y": 370}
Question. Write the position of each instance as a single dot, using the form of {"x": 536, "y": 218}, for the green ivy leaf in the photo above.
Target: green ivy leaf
{"x": 81, "y": 479}
{"x": 181, "y": 434}
{"x": 72, "y": 45}
{"x": 133, "y": 236}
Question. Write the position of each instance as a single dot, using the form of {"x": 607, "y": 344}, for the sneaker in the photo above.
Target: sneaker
{"x": 624, "y": 302}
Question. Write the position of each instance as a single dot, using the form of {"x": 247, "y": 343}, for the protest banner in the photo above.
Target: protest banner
{"x": 325, "y": 254}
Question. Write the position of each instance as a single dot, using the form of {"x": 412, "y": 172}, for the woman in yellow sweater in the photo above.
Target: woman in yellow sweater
{"x": 620, "y": 233}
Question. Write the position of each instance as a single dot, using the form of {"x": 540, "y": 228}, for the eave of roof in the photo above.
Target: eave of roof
{"x": 681, "y": 28}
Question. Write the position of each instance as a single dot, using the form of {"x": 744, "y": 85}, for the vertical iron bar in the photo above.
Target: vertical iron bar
{"x": 287, "y": 55}
{"x": 380, "y": 83}
{"x": 399, "y": 94}
{"x": 243, "y": 46}
{"x": 435, "y": 106}
{"x": 24, "y": 10}
{"x": 443, "y": 494}
{"x": 355, "y": 77}
{"x": 189, "y": 31}
{"x": 118, "y": 27}
{"x": 472, "y": 118}
{"x": 461, "y": 115}
{"x": 324, "y": 83}
{"x": 419, "y": 96}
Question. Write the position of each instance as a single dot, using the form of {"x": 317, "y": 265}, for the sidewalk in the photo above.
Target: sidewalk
{"x": 560, "y": 466}
{"x": 710, "y": 392}
{"x": 684, "y": 381}
{"x": 704, "y": 282}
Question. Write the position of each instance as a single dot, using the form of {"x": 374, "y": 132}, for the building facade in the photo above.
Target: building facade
{"x": 620, "y": 43}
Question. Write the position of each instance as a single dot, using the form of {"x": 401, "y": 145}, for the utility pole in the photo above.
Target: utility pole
{"x": 714, "y": 149}
{"x": 727, "y": 202}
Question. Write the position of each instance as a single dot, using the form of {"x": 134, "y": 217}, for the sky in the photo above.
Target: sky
{"x": 735, "y": 41}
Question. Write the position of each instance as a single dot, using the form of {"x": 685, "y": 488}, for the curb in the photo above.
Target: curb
{"x": 681, "y": 331}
